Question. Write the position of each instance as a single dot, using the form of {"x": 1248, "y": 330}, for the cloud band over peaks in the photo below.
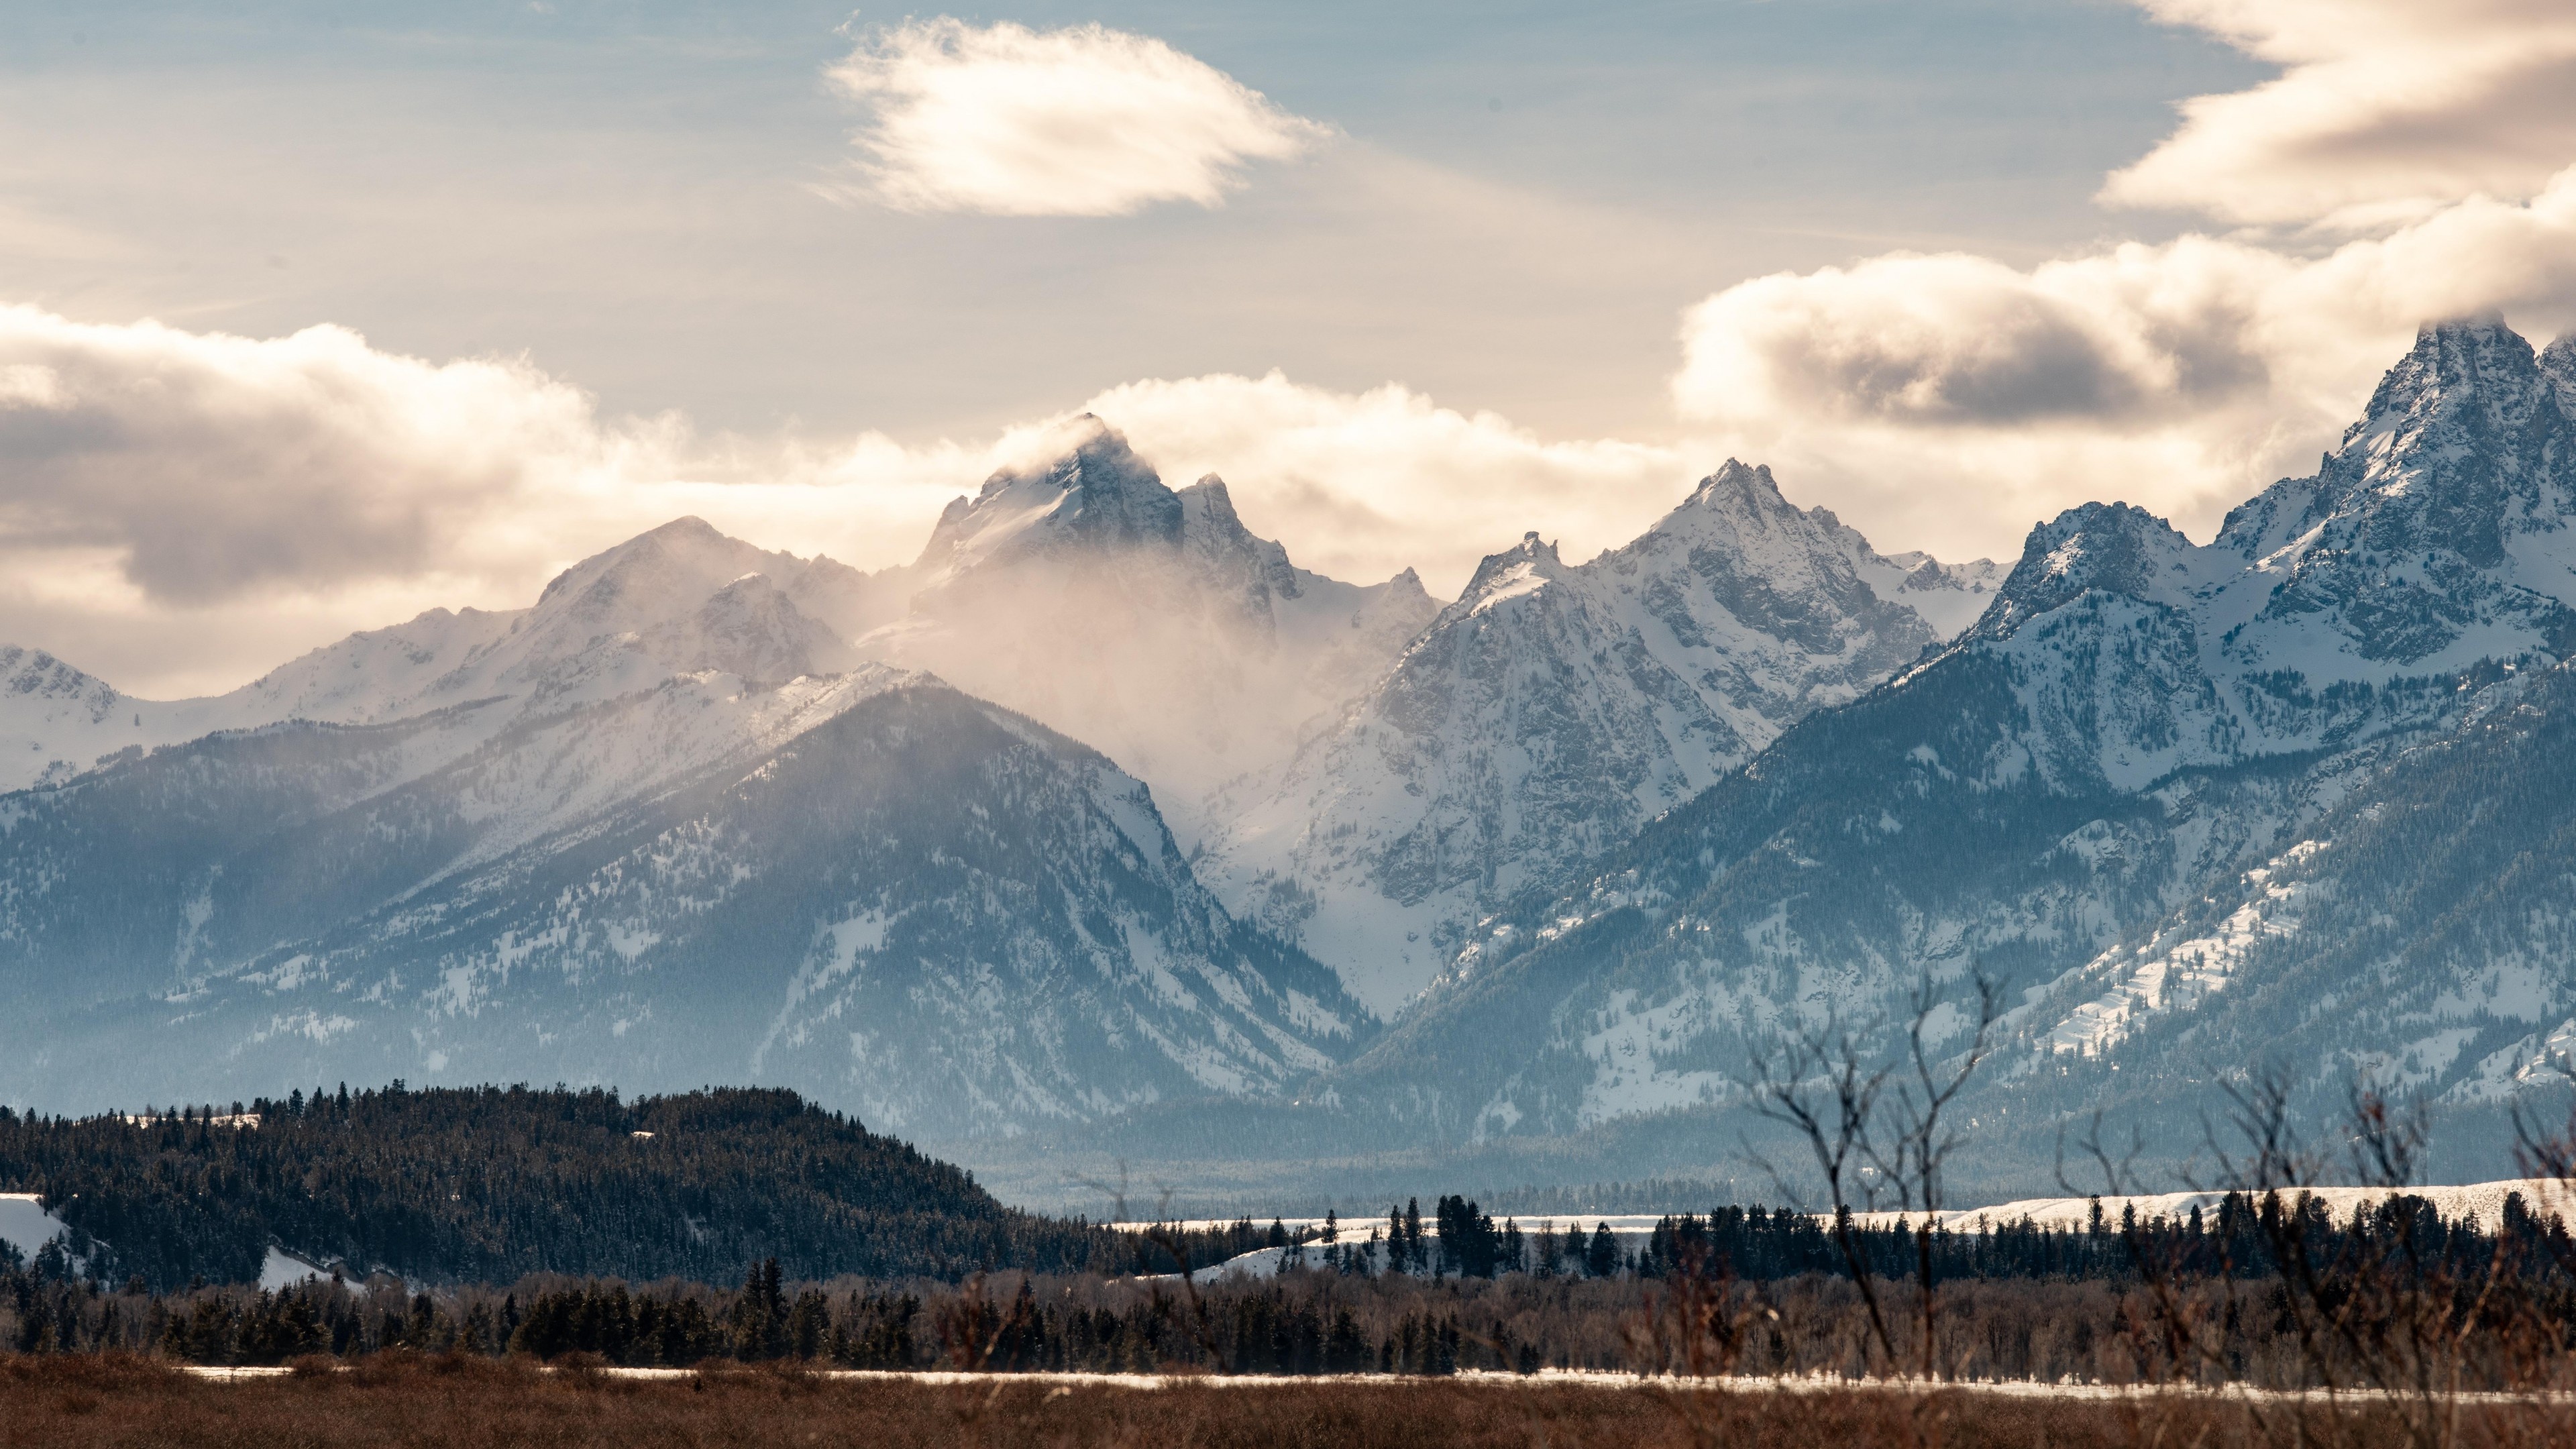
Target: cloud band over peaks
{"x": 1083, "y": 121}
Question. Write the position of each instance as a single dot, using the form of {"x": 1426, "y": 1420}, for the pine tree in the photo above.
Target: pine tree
{"x": 1603, "y": 1259}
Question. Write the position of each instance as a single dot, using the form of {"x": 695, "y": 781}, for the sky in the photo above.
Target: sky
{"x": 315, "y": 315}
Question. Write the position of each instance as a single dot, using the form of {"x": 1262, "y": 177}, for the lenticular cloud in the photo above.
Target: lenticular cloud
{"x": 1084, "y": 121}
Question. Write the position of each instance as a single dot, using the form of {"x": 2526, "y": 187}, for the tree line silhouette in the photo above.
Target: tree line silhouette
{"x": 489, "y": 1184}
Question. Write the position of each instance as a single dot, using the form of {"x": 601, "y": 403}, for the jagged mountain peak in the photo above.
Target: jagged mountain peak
{"x": 1739, "y": 483}
{"x": 1740, "y": 510}
{"x": 1524, "y": 569}
{"x": 2466, "y": 361}
{"x": 1254, "y": 569}
{"x": 1553, "y": 708}
{"x": 2114, "y": 548}
{"x": 1795, "y": 574}
{"x": 1149, "y": 622}
{"x": 33, "y": 672}
{"x": 1736, "y": 507}
{"x": 1407, "y": 586}
{"x": 2465, "y": 442}
{"x": 2464, "y": 383}
{"x": 1214, "y": 498}
{"x": 2139, "y": 784}
{"x": 1094, "y": 492}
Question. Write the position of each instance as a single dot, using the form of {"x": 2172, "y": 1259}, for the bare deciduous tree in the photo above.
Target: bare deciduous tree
{"x": 1875, "y": 1120}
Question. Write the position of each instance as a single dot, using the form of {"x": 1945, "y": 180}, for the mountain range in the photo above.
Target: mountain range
{"x": 2284, "y": 801}
{"x": 1553, "y": 709}
{"x": 1103, "y": 807}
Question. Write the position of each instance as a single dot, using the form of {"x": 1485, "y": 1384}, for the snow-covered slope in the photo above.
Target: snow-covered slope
{"x": 676, "y": 600}
{"x": 1554, "y": 709}
{"x": 890, "y": 895}
{"x": 662, "y": 827}
{"x": 1146, "y": 622}
{"x": 680, "y": 598}
{"x": 1082, "y": 591}
{"x": 2125, "y": 793}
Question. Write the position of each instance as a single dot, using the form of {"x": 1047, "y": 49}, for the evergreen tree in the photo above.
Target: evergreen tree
{"x": 1602, "y": 1261}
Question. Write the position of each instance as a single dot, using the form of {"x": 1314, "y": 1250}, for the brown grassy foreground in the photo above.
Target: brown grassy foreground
{"x": 75, "y": 1402}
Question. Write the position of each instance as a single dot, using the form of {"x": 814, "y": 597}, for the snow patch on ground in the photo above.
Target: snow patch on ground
{"x": 25, "y": 1225}
{"x": 2175, "y": 975}
{"x": 2543, "y": 1196}
{"x": 283, "y": 1269}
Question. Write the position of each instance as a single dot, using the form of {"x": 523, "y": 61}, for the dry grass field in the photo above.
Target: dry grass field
{"x": 90, "y": 1402}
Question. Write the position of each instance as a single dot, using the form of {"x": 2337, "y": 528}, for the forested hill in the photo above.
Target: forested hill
{"x": 484, "y": 1185}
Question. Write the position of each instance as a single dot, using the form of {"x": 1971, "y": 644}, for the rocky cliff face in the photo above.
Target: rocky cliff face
{"x": 1553, "y": 709}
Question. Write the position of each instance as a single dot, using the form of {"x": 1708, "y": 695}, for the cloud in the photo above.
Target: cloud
{"x": 1361, "y": 485}
{"x": 2180, "y": 376}
{"x": 214, "y": 465}
{"x": 2132, "y": 335}
{"x": 1951, "y": 398}
{"x": 1083, "y": 121}
{"x": 180, "y": 511}
{"x": 2385, "y": 109}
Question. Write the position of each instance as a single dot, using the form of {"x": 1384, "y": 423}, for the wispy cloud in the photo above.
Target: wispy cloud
{"x": 1083, "y": 121}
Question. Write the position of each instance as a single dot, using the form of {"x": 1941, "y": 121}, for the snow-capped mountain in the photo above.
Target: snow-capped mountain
{"x": 550, "y": 841}
{"x": 703, "y": 812}
{"x": 661, "y": 828}
{"x": 2283, "y": 792}
{"x": 870, "y": 887}
{"x": 1554, "y": 709}
{"x": 678, "y": 599}
{"x": 1147, "y": 622}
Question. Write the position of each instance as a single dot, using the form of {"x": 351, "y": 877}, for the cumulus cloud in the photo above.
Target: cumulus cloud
{"x": 182, "y": 510}
{"x": 212, "y": 465}
{"x": 2424, "y": 150}
{"x": 2134, "y": 334}
{"x": 2384, "y": 109}
{"x": 2180, "y": 376}
{"x": 1083, "y": 121}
